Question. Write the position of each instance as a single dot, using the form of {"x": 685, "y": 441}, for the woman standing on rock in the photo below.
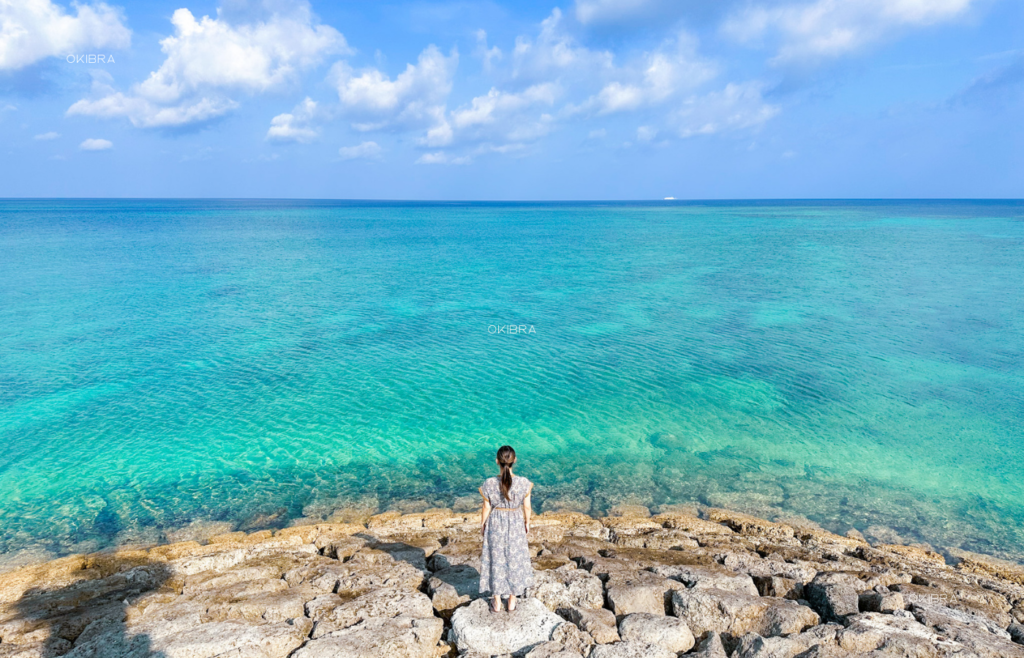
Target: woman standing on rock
{"x": 506, "y": 568}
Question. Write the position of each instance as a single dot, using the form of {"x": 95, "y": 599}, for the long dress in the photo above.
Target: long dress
{"x": 506, "y": 568}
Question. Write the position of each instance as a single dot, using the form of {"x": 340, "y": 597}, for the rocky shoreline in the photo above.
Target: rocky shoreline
{"x": 711, "y": 583}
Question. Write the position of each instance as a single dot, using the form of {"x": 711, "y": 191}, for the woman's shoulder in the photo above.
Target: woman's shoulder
{"x": 523, "y": 482}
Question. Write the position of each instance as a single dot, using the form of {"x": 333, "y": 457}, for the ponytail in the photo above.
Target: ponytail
{"x": 506, "y": 458}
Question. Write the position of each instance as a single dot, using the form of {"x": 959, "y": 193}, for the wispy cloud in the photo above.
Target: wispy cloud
{"x": 809, "y": 32}
{"x": 45, "y": 137}
{"x": 93, "y": 144}
{"x": 364, "y": 151}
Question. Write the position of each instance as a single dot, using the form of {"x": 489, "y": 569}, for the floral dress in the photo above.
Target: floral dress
{"x": 506, "y": 568}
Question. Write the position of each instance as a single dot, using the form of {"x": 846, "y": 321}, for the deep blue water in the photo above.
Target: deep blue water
{"x": 163, "y": 362}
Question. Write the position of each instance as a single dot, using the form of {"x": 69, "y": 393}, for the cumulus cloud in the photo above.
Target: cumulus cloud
{"x": 674, "y": 67}
{"x": 739, "y": 106}
{"x": 414, "y": 97}
{"x": 554, "y": 52}
{"x": 96, "y": 145}
{"x": 295, "y": 126}
{"x": 822, "y": 29}
{"x": 210, "y": 60}
{"x": 45, "y": 137}
{"x": 366, "y": 150}
{"x": 32, "y": 30}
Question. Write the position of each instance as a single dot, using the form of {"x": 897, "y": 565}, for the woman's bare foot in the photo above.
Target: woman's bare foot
{"x": 511, "y": 603}
{"x": 496, "y": 604}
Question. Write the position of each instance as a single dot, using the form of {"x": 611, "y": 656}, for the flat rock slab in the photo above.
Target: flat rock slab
{"x": 399, "y": 637}
{"x": 476, "y": 628}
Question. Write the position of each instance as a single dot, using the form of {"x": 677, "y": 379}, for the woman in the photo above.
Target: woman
{"x": 506, "y": 568}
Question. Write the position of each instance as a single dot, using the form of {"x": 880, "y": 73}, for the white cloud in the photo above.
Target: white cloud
{"x": 607, "y": 11}
{"x": 415, "y": 98}
{"x": 646, "y": 134}
{"x": 488, "y": 55}
{"x": 96, "y": 145}
{"x": 739, "y": 106}
{"x": 600, "y": 133}
{"x": 829, "y": 28}
{"x": 31, "y": 30}
{"x": 210, "y": 59}
{"x": 295, "y": 126}
{"x": 440, "y": 157}
{"x": 555, "y": 52}
{"x": 366, "y": 150}
{"x": 47, "y": 136}
{"x": 672, "y": 68}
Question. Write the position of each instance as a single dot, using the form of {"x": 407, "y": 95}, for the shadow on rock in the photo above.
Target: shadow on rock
{"x": 81, "y": 611}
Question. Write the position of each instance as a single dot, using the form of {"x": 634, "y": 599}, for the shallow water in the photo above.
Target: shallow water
{"x": 165, "y": 362}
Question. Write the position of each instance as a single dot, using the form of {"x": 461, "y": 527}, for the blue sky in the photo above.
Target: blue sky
{"x": 586, "y": 99}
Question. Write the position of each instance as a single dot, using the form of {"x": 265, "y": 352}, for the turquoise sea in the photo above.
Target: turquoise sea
{"x": 860, "y": 364}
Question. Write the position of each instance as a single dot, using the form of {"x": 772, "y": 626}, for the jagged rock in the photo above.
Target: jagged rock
{"x": 720, "y": 611}
{"x": 384, "y": 603}
{"x": 599, "y": 623}
{"x": 449, "y": 588}
{"x": 549, "y": 650}
{"x": 630, "y": 650}
{"x": 572, "y": 639}
{"x": 667, "y": 632}
{"x": 398, "y": 637}
{"x": 711, "y": 647}
{"x": 476, "y": 628}
{"x": 881, "y": 600}
{"x": 1016, "y": 632}
{"x": 873, "y": 631}
{"x": 749, "y": 525}
{"x": 833, "y": 600}
{"x": 783, "y": 588}
{"x": 567, "y": 587}
{"x": 629, "y": 592}
{"x": 974, "y": 600}
{"x": 820, "y": 641}
{"x": 709, "y": 577}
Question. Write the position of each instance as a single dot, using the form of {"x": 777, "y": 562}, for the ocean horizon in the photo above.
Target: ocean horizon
{"x": 855, "y": 363}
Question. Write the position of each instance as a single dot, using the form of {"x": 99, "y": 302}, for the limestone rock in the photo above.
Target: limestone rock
{"x": 568, "y": 587}
{"x": 382, "y": 603}
{"x": 1016, "y": 632}
{"x": 599, "y": 623}
{"x": 874, "y": 631}
{"x": 784, "y": 588}
{"x": 572, "y": 639}
{"x": 667, "y": 632}
{"x": 449, "y": 588}
{"x": 398, "y": 637}
{"x": 630, "y": 650}
{"x": 749, "y": 525}
{"x": 832, "y": 600}
{"x": 550, "y": 650}
{"x": 881, "y": 600}
{"x": 711, "y": 610}
{"x": 709, "y": 577}
{"x": 476, "y": 628}
{"x": 711, "y": 647}
{"x": 639, "y": 592}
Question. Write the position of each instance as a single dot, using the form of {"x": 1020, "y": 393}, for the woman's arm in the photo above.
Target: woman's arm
{"x": 527, "y": 510}
{"x": 484, "y": 513}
